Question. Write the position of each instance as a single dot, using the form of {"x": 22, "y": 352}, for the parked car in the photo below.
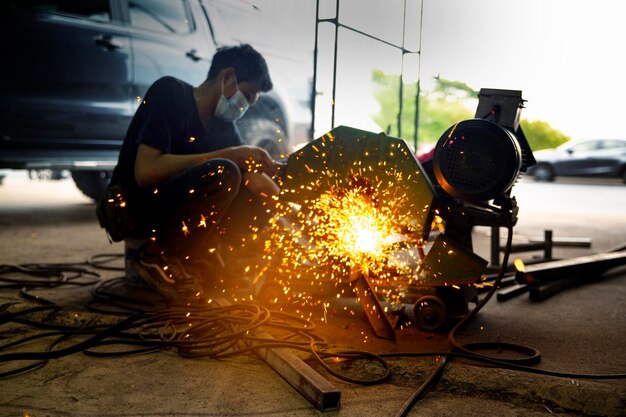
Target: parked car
{"x": 74, "y": 71}
{"x": 593, "y": 157}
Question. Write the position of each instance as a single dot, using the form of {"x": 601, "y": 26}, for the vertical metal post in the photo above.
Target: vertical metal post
{"x": 419, "y": 71}
{"x": 314, "y": 86}
{"x": 336, "y": 21}
{"x": 547, "y": 241}
{"x": 495, "y": 246}
{"x": 400, "y": 99}
{"x": 401, "y": 86}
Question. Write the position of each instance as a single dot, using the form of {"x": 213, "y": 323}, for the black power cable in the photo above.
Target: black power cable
{"x": 432, "y": 380}
{"x": 215, "y": 331}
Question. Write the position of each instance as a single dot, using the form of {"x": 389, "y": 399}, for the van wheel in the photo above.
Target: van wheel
{"x": 92, "y": 183}
{"x": 266, "y": 134}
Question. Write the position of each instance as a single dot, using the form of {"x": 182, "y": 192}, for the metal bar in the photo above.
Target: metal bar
{"x": 495, "y": 246}
{"x": 526, "y": 247}
{"x": 334, "y": 92}
{"x": 545, "y": 290}
{"x": 367, "y": 35}
{"x": 547, "y": 239}
{"x": 401, "y": 86}
{"x": 538, "y": 245}
{"x": 419, "y": 75}
{"x": 584, "y": 265}
{"x": 511, "y": 292}
{"x": 311, "y": 385}
{"x": 314, "y": 87}
{"x": 371, "y": 306}
{"x": 577, "y": 242}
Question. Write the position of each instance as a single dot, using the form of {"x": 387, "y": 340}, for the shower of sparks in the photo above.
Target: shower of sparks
{"x": 352, "y": 225}
{"x": 348, "y": 204}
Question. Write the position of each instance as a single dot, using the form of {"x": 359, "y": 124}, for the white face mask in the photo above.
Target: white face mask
{"x": 233, "y": 108}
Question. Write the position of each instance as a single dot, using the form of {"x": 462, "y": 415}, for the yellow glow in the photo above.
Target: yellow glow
{"x": 202, "y": 221}
{"x": 519, "y": 265}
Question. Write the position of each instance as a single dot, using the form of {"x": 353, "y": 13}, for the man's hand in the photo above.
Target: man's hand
{"x": 251, "y": 159}
{"x": 260, "y": 184}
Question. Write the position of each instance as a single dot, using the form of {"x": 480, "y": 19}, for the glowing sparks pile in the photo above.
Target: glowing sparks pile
{"x": 314, "y": 250}
{"x": 352, "y": 228}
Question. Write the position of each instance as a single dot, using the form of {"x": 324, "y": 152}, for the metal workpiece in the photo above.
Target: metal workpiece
{"x": 372, "y": 308}
{"x": 591, "y": 265}
{"x": 316, "y": 389}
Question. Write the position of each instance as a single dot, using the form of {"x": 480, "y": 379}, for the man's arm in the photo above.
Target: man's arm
{"x": 153, "y": 166}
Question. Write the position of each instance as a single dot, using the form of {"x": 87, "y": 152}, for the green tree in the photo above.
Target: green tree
{"x": 541, "y": 135}
{"x": 439, "y": 109}
{"x": 448, "y": 103}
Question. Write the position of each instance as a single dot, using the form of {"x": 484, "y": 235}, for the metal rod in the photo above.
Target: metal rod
{"x": 314, "y": 86}
{"x": 416, "y": 121}
{"x": 573, "y": 242}
{"x": 547, "y": 239}
{"x": 371, "y": 306}
{"x": 311, "y": 385}
{"x": 548, "y": 289}
{"x": 401, "y": 86}
{"x": 511, "y": 292}
{"x": 583, "y": 265}
{"x": 495, "y": 246}
{"x": 334, "y": 93}
{"x": 367, "y": 35}
{"x": 316, "y": 389}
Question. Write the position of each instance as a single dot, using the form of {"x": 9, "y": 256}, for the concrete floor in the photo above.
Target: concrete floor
{"x": 582, "y": 329}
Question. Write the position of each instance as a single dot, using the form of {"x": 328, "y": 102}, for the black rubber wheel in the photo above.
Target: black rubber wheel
{"x": 429, "y": 312}
{"x": 543, "y": 172}
{"x": 266, "y": 134}
{"x": 92, "y": 183}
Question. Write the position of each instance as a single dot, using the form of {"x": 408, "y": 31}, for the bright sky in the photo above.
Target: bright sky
{"x": 566, "y": 56}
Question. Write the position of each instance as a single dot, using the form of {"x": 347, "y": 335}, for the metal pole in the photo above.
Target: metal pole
{"x": 336, "y": 21}
{"x": 401, "y": 86}
{"x": 314, "y": 86}
{"x": 311, "y": 385}
{"x": 419, "y": 71}
{"x": 495, "y": 246}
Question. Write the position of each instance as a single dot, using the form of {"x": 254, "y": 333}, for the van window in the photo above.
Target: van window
{"x": 166, "y": 16}
{"x": 97, "y": 10}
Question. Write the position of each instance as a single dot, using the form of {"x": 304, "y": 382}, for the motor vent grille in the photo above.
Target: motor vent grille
{"x": 477, "y": 160}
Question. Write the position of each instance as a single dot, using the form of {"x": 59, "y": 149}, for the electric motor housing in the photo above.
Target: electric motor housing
{"x": 477, "y": 160}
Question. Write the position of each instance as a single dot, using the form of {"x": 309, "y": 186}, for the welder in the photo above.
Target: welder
{"x": 184, "y": 179}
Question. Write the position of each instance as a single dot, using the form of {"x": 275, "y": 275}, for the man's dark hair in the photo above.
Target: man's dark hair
{"x": 249, "y": 65}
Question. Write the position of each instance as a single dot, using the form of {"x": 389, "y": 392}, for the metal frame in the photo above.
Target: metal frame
{"x": 335, "y": 21}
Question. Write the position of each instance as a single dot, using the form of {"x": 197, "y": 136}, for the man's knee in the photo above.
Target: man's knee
{"x": 221, "y": 172}
{"x": 228, "y": 172}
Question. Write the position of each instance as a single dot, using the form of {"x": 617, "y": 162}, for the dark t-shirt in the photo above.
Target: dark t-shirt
{"x": 167, "y": 120}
